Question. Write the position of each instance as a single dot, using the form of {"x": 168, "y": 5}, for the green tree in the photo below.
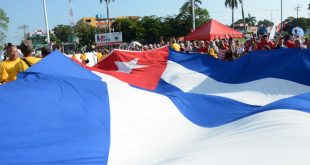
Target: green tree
{"x": 130, "y": 28}
{"x": 171, "y": 27}
{"x": 292, "y": 22}
{"x": 265, "y": 23}
{"x": 202, "y": 16}
{"x": 53, "y": 38}
{"x": 242, "y": 12}
{"x": 186, "y": 9}
{"x": 62, "y": 32}
{"x": 107, "y": 2}
{"x": 239, "y": 21}
{"x": 233, "y": 4}
{"x": 85, "y": 33}
{"x": 152, "y": 28}
{"x": 251, "y": 21}
{"x": 4, "y": 20}
{"x": 184, "y": 18}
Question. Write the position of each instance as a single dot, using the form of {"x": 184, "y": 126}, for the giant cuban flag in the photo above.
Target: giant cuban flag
{"x": 159, "y": 107}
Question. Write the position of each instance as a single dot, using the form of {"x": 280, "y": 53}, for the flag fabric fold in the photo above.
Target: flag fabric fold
{"x": 253, "y": 110}
{"x": 52, "y": 115}
{"x": 211, "y": 93}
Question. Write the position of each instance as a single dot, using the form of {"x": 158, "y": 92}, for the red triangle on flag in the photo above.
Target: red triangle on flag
{"x": 139, "y": 68}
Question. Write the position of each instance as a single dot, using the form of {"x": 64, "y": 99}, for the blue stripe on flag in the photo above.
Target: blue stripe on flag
{"x": 299, "y": 102}
{"x": 205, "y": 110}
{"x": 212, "y": 111}
{"x": 288, "y": 64}
{"x": 55, "y": 115}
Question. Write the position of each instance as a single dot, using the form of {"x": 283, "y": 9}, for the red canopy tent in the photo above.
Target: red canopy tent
{"x": 213, "y": 30}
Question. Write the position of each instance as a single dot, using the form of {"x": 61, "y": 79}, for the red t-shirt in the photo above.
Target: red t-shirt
{"x": 262, "y": 43}
{"x": 289, "y": 44}
{"x": 203, "y": 50}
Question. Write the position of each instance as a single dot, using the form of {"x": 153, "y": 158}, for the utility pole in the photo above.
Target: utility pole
{"x": 71, "y": 20}
{"x": 24, "y": 28}
{"x": 46, "y": 22}
{"x": 271, "y": 11}
{"x": 281, "y": 17}
{"x": 297, "y": 9}
{"x": 271, "y": 14}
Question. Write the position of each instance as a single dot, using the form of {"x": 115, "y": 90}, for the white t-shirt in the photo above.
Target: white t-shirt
{"x": 2, "y": 55}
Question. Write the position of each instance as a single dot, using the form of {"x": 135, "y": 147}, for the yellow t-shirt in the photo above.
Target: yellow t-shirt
{"x": 176, "y": 46}
{"x": 9, "y": 69}
{"x": 3, "y": 72}
{"x": 33, "y": 60}
{"x": 83, "y": 57}
{"x": 213, "y": 53}
{"x": 99, "y": 56}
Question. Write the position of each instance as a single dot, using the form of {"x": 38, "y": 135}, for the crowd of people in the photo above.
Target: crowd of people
{"x": 99, "y": 53}
{"x": 15, "y": 59}
{"x": 229, "y": 49}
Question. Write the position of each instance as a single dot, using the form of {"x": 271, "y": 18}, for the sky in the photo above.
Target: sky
{"x": 31, "y": 13}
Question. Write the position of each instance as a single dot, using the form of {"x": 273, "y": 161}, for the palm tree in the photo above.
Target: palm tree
{"x": 251, "y": 20}
{"x": 187, "y": 6}
{"x": 187, "y": 9}
{"x": 107, "y": 2}
{"x": 241, "y": 2}
{"x": 233, "y": 4}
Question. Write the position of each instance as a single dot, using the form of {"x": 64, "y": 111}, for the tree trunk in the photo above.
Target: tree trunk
{"x": 232, "y": 17}
{"x": 108, "y": 17}
{"x": 193, "y": 15}
{"x": 244, "y": 27}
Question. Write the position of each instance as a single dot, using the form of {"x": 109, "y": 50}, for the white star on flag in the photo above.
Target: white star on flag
{"x": 127, "y": 67}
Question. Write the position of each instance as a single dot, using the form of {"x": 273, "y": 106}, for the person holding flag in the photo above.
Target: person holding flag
{"x": 27, "y": 49}
{"x": 12, "y": 66}
{"x": 84, "y": 59}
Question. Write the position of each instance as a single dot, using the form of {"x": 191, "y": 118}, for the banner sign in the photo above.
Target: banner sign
{"x": 109, "y": 38}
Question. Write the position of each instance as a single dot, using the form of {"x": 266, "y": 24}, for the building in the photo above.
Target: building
{"x": 129, "y": 17}
{"x": 101, "y": 22}
{"x": 89, "y": 20}
{"x": 38, "y": 38}
{"x": 249, "y": 29}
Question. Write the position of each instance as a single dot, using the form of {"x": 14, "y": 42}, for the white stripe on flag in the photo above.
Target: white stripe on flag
{"x": 259, "y": 92}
